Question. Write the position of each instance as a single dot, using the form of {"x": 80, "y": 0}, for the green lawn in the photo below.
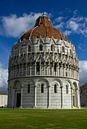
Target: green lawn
{"x": 43, "y": 119}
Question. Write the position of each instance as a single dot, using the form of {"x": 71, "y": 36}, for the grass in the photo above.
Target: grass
{"x": 43, "y": 119}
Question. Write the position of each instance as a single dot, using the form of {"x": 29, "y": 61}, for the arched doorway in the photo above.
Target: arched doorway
{"x": 42, "y": 93}
{"x": 17, "y": 94}
{"x": 74, "y": 95}
{"x": 56, "y": 94}
{"x": 67, "y": 94}
{"x": 18, "y": 100}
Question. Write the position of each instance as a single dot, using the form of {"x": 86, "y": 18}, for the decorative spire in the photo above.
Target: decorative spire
{"x": 43, "y": 20}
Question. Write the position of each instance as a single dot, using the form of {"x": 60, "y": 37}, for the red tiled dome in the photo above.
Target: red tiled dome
{"x": 43, "y": 28}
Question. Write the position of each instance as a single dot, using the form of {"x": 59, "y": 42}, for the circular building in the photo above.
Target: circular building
{"x": 43, "y": 69}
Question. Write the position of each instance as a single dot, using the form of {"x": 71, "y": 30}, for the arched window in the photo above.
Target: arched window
{"x": 81, "y": 91}
{"x": 52, "y": 47}
{"x": 24, "y": 66}
{"x": 66, "y": 57}
{"x": 37, "y": 67}
{"x": 28, "y": 88}
{"x": 59, "y": 55}
{"x": 63, "y": 49}
{"x": 42, "y": 88}
{"x": 66, "y": 74}
{"x": 55, "y": 67}
{"x": 58, "y": 50}
{"x": 55, "y": 88}
{"x": 41, "y": 47}
{"x": 29, "y": 48}
{"x": 67, "y": 89}
{"x": 70, "y": 52}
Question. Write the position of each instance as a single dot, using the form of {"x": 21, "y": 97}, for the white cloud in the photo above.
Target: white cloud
{"x": 13, "y": 25}
{"x": 72, "y": 25}
{"x": 60, "y": 25}
{"x": 83, "y": 71}
{"x": 3, "y": 77}
{"x": 67, "y": 32}
{"x": 59, "y": 19}
{"x": 75, "y": 24}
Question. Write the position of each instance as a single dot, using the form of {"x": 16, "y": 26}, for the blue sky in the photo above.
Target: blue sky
{"x": 69, "y": 16}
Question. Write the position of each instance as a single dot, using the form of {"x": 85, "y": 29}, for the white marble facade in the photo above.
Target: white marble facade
{"x": 3, "y": 99}
{"x": 43, "y": 73}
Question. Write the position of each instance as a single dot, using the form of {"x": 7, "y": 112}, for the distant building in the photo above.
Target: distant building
{"x": 3, "y": 99}
{"x": 83, "y": 95}
{"x": 43, "y": 69}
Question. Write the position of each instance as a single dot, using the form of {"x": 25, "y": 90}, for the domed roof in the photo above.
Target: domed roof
{"x": 43, "y": 28}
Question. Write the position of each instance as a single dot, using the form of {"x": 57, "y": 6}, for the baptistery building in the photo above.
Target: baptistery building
{"x": 43, "y": 69}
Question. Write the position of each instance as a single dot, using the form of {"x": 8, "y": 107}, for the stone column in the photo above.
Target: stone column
{"x": 35, "y": 94}
{"x": 61, "y": 96}
{"x": 70, "y": 73}
{"x": 49, "y": 69}
{"x": 21, "y": 97}
{"x": 53, "y": 69}
{"x": 71, "y": 99}
{"x": 22, "y": 70}
{"x": 40, "y": 67}
{"x": 57, "y": 69}
{"x": 26, "y": 68}
{"x": 45, "y": 70}
{"x": 63, "y": 71}
{"x": 30, "y": 70}
{"x": 35, "y": 68}
{"x": 48, "y": 97}
{"x": 78, "y": 98}
{"x": 13, "y": 97}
